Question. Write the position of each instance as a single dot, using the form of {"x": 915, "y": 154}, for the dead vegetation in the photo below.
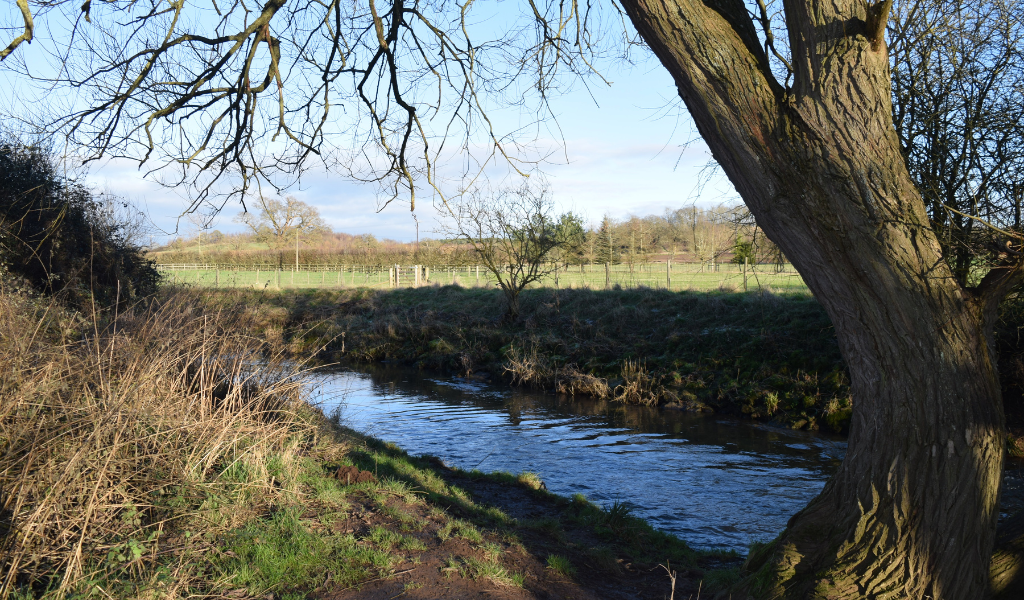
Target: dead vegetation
{"x": 638, "y": 386}
{"x": 116, "y": 434}
{"x": 168, "y": 453}
{"x": 532, "y": 370}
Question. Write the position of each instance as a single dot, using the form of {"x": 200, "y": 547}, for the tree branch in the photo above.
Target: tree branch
{"x": 26, "y": 36}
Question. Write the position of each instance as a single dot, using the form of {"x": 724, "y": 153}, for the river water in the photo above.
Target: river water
{"x": 717, "y": 483}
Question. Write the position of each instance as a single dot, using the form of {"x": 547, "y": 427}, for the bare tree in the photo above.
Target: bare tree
{"x": 957, "y": 82}
{"x": 709, "y": 233}
{"x": 515, "y": 234}
{"x": 281, "y": 222}
{"x": 237, "y": 241}
{"x": 380, "y": 91}
{"x": 795, "y": 101}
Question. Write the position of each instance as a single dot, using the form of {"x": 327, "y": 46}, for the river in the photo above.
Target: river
{"x": 717, "y": 483}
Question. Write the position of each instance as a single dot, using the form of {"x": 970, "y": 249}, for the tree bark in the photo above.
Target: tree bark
{"x": 1007, "y": 568}
{"x": 912, "y": 511}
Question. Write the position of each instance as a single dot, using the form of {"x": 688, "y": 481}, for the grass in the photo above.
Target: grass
{"x": 684, "y": 276}
{"x": 760, "y": 355}
{"x": 561, "y": 565}
{"x": 284, "y": 555}
{"x": 118, "y": 437}
{"x": 167, "y": 452}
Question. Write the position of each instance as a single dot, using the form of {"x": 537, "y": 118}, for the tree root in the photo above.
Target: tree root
{"x": 1007, "y": 567}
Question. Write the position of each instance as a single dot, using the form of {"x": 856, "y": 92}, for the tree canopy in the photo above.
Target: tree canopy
{"x": 281, "y": 222}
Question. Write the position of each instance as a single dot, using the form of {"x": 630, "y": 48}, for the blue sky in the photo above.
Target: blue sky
{"x": 624, "y": 153}
{"x": 616, "y": 150}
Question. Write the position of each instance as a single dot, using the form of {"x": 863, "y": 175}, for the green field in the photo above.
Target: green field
{"x": 683, "y": 276}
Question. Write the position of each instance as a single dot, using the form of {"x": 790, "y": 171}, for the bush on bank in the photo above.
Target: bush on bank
{"x": 762, "y": 355}
{"x": 61, "y": 239}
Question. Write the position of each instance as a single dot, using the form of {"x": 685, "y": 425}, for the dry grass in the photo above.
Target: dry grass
{"x": 118, "y": 437}
{"x": 529, "y": 369}
{"x": 638, "y": 386}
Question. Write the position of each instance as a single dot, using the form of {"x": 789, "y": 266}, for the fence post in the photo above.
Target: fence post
{"x": 607, "y": 276}
{"x": 745, "y": 273}
{"x": 668, "y": 274}
{"x": 478, "y": 275}
{"x": 416, "y": 277}
{"x": 216, "y": 278}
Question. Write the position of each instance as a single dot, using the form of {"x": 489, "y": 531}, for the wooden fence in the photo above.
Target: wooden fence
{"x": 666, "y": 275}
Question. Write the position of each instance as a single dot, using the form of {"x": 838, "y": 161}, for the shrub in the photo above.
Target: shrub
{"x": 61, "y": 239}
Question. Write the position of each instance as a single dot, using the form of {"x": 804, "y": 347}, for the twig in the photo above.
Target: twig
{"x": 351, "y": 587}
{"x": 672, "y": 576}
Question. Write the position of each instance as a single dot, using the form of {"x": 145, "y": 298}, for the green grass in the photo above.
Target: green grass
{"x": 283, "y": 555}
{"x": 765, "y": 356}
{"x": 461, "y": 529}
{"x": 561, "y": 565}
{"x": 693, "y": 277}
{"x": 493, "y": 571}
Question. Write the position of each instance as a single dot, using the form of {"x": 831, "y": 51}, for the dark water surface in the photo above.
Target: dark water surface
{"x": 714, "y": 482}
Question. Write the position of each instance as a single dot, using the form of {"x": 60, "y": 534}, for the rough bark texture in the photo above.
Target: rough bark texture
{"x": 912, "y": 511}
{"x": 1007, "y": 568}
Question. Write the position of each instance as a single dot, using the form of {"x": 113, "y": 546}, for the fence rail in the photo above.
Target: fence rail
{"x": 673, "y": 276}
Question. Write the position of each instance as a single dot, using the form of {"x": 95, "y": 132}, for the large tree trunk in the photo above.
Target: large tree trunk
{"x": 912, "y": 511}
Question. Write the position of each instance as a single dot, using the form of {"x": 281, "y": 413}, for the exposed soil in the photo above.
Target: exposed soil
{"x": 446, "y": 567}
{"x": 350, "y": 475}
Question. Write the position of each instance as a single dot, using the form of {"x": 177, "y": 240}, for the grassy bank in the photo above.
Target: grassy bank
{"x": 151, "y": 455}
{"x": 761, "y": 355}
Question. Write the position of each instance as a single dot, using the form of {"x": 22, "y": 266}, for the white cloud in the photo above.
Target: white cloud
{"x": 619, "y": 158}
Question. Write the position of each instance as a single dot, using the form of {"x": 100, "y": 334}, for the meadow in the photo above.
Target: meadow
{"x": 663, "y": 275}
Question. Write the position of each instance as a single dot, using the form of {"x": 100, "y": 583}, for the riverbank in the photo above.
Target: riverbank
{"x": 144, "y": 456}
{"x": 758, "y": 355}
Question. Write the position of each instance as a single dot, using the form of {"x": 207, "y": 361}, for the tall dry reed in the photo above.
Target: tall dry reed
{"x": 119, "y": 434}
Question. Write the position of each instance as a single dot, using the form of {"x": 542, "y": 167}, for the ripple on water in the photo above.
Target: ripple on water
{"x": 713, "y": 482}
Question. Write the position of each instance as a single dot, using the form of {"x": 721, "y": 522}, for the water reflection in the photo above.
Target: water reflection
{"x": 714, "y": 482}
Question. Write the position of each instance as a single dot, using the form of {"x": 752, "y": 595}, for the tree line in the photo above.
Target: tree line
{"x": 692, "y": 234}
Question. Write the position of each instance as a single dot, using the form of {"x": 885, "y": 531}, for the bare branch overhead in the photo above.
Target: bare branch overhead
{"x": 206, "y": 93}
